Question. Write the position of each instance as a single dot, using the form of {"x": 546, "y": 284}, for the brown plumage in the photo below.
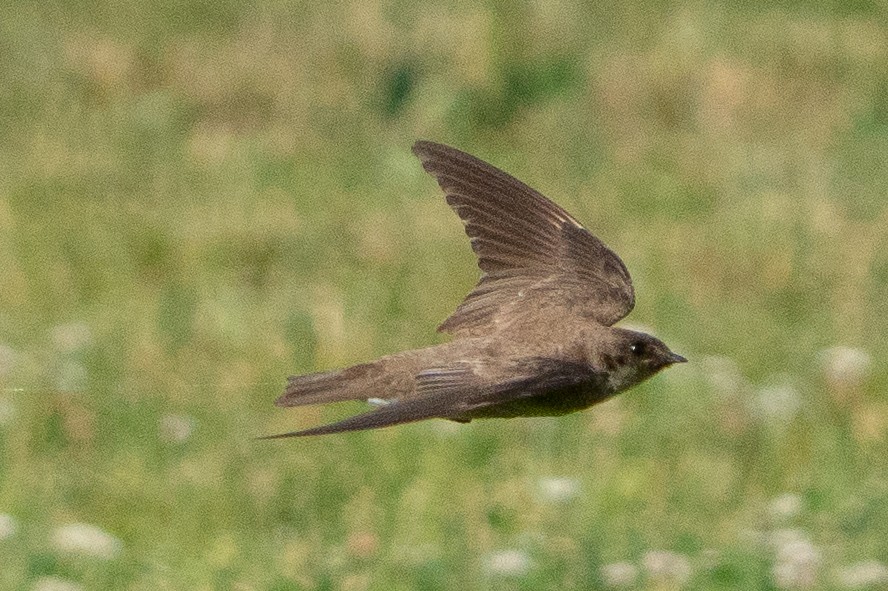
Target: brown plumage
{"x": 533, "y": 338}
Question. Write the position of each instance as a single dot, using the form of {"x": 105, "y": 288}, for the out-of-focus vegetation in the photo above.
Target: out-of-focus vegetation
{"x": 200, "y": 198}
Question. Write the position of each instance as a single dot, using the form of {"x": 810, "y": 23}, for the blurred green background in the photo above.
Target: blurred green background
{"x": 200, "y": 198}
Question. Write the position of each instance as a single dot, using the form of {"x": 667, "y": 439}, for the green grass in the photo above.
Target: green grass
{"x": 197, "y": 200}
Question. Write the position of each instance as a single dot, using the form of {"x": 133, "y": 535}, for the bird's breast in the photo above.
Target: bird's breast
{"x": 553, "y": 403}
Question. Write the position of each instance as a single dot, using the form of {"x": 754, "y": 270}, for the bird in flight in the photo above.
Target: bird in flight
{"x": 535, "y": 337}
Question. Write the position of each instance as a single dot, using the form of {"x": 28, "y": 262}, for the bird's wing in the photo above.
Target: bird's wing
{"x": 443, "y": 397}
{"x": 455, "y": 391}
{"x": 398, "y": 412}
{"x": 530, "y": 250}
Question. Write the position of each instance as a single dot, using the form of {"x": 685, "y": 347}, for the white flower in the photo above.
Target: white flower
{"x": 176, "y": 428}
{"x": 83, "y": 538}
{"x": 556, "y": 489}
{"x": 845, "y": 366}
{"x": 68, "y": 338}
{"x": 779, "y": 402}
{"x": 724, "y": 375}
{"x": 8, "y": 526}
{"x": 797, "y": 559}
{"x": 508, "y": 563}
{"x": 862, "y": 575}
{"x": 619, "y": 574}
{"x": 7, "y": 411}
{"x": 782, "y": 537}
{"x": 8, "y": 358}
{"x": 786, "y": 506}
{"x": 71, "y": 376}
{"x": 55, "y": 584}
{"x": 662, "y": 564}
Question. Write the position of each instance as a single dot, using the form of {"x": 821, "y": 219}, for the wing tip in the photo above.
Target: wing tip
{"x": 277, "y": 436}
{"x": 422, "y": 148}
{"x": 288, "y": 435}
{"x": 426, "y": 150}
{"x": 319, "y": 430}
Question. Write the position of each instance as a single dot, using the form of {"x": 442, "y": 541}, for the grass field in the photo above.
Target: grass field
{"x": 198, "y": 199}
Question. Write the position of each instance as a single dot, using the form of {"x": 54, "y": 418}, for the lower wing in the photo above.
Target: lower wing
{"x": 456, "y": 391}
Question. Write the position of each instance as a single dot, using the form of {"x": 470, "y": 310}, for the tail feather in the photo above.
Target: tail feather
{"x": 332, "y": 386}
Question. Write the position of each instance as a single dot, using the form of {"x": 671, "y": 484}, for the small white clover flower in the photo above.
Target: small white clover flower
{"x": 863, "y": 575}
{"x": 779, "y": 402}
{"x": 71, "y": 337}
{"x": 7, "y": 411}
{"x": 785, "y": 506}
{"x": 797, "y": 559}
{"x": 662, "y": 564}
{"x": 8, "y": 359}
{"x": 845, "y": 366}
{"x": 71, "y": 376}
{"x": 555, "y": 489}
{"x": 508, "y": 563}
{"x": 724, "y": 374}
{"x": 176, "y": 428}
{"x": 8, "y": 526}
{"x": 55, "y": 584}
{"x": 86, "y": 539}
{"x": 619, "y": 574}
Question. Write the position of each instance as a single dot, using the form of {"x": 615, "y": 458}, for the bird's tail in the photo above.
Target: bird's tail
{"x": 354, "y": 383}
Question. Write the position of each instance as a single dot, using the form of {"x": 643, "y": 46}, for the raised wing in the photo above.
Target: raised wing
{"x": 530, "y": 251}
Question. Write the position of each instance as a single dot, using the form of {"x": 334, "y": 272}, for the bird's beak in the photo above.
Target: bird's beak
{"x": 676, "y": 358}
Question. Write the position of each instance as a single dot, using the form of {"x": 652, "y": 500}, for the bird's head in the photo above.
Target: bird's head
{"x": 631, "y": 357}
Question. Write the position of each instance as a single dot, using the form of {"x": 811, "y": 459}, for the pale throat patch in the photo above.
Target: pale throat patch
{"x": 623, "y": 377}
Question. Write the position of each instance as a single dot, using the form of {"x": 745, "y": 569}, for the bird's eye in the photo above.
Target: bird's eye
{"x": 637, "y": 348}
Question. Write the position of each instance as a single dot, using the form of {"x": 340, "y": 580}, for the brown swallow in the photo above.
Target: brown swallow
{"x": 534, "y": 338}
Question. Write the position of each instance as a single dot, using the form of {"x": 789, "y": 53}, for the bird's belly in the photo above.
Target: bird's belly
{"x": 551, "y": 404}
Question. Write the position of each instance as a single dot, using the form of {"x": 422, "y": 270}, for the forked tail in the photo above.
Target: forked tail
{"x": 354, "y": 383}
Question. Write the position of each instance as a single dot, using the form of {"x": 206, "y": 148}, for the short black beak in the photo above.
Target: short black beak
{"x": 676, "y": 358}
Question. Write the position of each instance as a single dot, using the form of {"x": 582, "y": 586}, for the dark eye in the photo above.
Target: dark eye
{"x": 637, "y": 348}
